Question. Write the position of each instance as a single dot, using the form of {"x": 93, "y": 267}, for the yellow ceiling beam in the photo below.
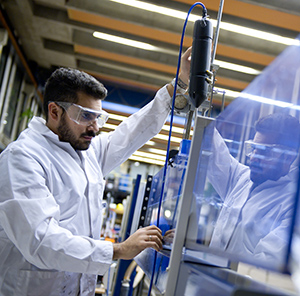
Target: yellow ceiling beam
{"x": 126, "y": 27}
{"x": 244, "y": 55}
{"x": 253, "y": 12}
{"x": 125, "y": 82}
{"x": 150, "y": 65}
{"x": 124, "y": 59}
{"x": 163, "y": 36}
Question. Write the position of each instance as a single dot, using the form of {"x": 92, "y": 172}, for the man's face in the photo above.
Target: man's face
{"x": 79, "y": 136}
{"x": 265, "y": 164}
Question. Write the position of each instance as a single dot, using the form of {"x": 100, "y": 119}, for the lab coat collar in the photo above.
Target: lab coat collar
{"x": 38, "y": 124}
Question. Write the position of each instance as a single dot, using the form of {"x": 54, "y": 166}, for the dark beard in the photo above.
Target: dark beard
{"x": 66, "y": 135}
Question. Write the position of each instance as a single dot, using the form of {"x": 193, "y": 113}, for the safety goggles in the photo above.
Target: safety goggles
{"x": 84, "y": 116}
{"x": 265, "y": 151}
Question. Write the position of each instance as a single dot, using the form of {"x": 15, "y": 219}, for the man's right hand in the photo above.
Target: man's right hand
{"x": 147, "y": 237}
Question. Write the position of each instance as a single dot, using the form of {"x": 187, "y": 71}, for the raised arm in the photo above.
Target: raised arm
{"x": 140, "y": 127}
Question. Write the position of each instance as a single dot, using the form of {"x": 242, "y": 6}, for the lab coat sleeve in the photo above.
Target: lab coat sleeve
{"x": 224, "y": 170}
{"x": 29, "y": 215}
{"x": 134, "y": 132}
{"x": 274, "y": 245}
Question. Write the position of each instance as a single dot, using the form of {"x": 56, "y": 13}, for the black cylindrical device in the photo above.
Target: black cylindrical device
{"x": 200, "y": 61}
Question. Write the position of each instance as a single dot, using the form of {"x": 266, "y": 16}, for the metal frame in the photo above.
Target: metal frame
{"x": 145, "y": 202}
{"x": 185, "y": 204}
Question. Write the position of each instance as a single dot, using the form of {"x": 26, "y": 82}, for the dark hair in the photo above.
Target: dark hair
{"x": 65, "y": 83}
{"x": 283, "y": 127}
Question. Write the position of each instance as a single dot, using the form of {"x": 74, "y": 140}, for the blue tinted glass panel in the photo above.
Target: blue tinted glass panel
{"x": 247, "y": 175}
{"x": 168, "y": 214}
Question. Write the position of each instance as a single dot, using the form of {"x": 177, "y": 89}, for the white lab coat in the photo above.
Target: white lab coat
{"x": 252, "y": 223}
{"x": 51, "y": 204}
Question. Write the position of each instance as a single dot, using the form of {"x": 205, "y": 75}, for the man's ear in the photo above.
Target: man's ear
{"x": 54, "y": 112}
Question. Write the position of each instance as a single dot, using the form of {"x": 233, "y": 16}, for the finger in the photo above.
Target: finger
{"x": 154, "y": 237}
{"x": 156, "y": 244}
{"x": 159, "y": 241}
{"x": 187, "y": 53}
{"x": 155, "y": 233}
{"x": 154, "y": 241}
{"x": 153, "y": 230}
{"x": 159, "y": 245}
{"x": 152, "y": 227}
{"x": 168, "y": 239}
{"x": 168, "y": 232}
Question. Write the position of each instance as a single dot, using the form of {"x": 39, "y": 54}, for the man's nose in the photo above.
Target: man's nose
{"x": 94, "y": 126}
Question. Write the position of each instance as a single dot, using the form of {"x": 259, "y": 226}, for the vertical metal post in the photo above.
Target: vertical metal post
{"x": 213, "y": 55}
{"x": 185, "y": 204}
{"x": 188, "y": 124}
{"x": 216, "y": 37}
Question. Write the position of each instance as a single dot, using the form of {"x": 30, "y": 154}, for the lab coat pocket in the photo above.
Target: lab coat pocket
{"x": 37, "y": 283}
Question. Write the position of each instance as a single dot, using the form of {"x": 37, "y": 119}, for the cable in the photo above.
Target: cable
{"x": 204, "y": 15}
{"x": 108, "y": 276}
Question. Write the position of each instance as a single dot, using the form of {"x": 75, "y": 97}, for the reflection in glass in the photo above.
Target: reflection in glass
{"x": 247, "y": 203}
{"x": 257, "y": 200}
{"x": 168, "y": 214}
{"x": 244, "y": 195}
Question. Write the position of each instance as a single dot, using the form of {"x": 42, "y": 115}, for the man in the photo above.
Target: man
{"x": 258, "y": 199}
{"x": 51, "y": 188}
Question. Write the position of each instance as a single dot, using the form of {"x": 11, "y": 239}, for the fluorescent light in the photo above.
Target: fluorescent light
{"x": 148, "y": 46}
{"x": 165, "y": 138}
{"x": 238, "y": 68}
{"x": 157, "y": 151}
{"x": 149, "y": 155}
{"x": 258, "y": 34}
{"x": 159, "y": 136}
{"x": 147, "y": 160}
{"x": 228, "y": 92}
{"x": 269, "y": 101}
{"x": 223, "y": 25}
{"x": 125, "y": 41}
{"x": 165, "y": 126}
{"x": 153, "y": 8}
{"x": 133, "y": 43}
{"x": 150, "y": 143}
{"x": 117, "y": 117}
{"x": 175, "y": 129}
{"x": 110, "y": 126}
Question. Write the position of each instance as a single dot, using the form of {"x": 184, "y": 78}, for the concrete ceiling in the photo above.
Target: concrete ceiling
{"x": 59, "y": 33}
{"x": 55, "y": 33}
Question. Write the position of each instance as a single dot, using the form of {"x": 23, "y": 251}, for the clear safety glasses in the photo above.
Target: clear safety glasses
{"x": 84, "y": 116}
{"x": 264, "y": 151}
